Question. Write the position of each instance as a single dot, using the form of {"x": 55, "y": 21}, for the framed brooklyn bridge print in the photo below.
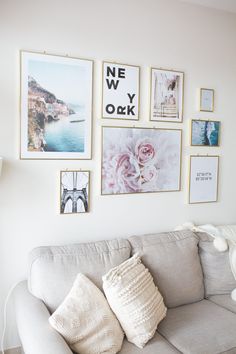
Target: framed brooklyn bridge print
{"x": 166, "y": 95}
{"x": 56, "y": 107}
{"x": 74, "y": 192}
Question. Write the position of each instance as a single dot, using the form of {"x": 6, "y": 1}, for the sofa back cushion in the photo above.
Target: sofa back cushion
{"x": 174, "y": 263}
{"x": 218, "y": 277}
{"x": 54, "y": 269}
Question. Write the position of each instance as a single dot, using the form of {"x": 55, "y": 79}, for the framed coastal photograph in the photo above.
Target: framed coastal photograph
{"x": 203, "y": 180}
{"x": 206, "y": 100}
{"x": 140, "y": 160}
{"x": 167, "y": 88}
{"x": 120, "y": 99}
{"x": 205, "y": 133}
{"x": 74, "y": 192}
{"x": 56, "y": 107}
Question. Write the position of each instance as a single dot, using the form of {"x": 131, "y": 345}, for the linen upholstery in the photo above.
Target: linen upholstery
{"x": 157, "y": 345}
{"x": 174, "y": 263}
{"x": 36, "y": 334}
{"x": 218, "y": 277}
{"x": 203, "y": 327}
{"x": 224, "y": 301}
{"x": 86, "y": 321}
{"x": 135, "y": 300}
{"x": 54, "y": 269}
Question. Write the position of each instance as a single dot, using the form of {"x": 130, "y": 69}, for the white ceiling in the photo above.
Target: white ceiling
{"x": 226, "y": 5}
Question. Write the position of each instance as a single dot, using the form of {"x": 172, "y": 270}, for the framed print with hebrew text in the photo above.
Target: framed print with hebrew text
{"x": 203, "y": 180}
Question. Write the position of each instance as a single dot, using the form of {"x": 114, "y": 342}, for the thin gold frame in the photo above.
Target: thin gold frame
{"x": 129, "y": 127}
{"x": 205, "y": 120}
{"x": 151, "y": 96}
{"x": 91, "y": 107}
{"x": 217, "y": 183}
{"x": 213, "y": 99}
{"x": 139, "y": 73}
{"x": 89, "y": 187}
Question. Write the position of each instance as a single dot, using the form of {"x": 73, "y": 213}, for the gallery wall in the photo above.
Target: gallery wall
{"x": 158, "y": 33}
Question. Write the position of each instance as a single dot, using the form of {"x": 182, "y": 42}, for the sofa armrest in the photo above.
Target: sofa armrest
{"x": 36, "y": 334}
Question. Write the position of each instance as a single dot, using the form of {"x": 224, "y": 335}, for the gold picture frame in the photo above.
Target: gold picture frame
{"x": 120, "y": 111}
{"x": 37, "y": 151}
{"x": 73, "y": 190}
{"x": 128, "y": 154}
{"x": 168, "y": 104}
{"x": 204, "y": 176}
{"x": 207, "y": 100}
{"x": 203, "y": 135}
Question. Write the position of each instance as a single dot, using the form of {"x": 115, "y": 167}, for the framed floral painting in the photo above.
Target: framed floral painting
{"x": 56, "y": 107}
{"x": 140, "y": 160}
{"x": 167, "y": 87}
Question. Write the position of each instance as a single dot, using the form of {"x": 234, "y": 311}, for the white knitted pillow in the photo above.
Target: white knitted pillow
{"x": 135, "y": 300}
{"x": 86, "y": 321}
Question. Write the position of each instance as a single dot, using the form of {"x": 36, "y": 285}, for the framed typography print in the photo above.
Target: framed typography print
{"x": 56, "y": 107}
{"x": 166, "y": 95}
{"x": 140, "y": 160}
{"x": 205, "y": 133}
{"x": 206, "y": 100}
{"x": 74, "y": 192}
{"x": 203, "y": 180}
{"x": 120, "y": 91}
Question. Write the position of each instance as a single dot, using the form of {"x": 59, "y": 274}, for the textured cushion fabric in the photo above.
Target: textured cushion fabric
{"x": 135, "y": 300}
{"x": 218, "y": 277}
{"x": 200, "y": 328}
{"x": 86, "y": 321}
{"x": 224, "y": 301}
{"x": 174, "y": 263}
{"x": 54, "y": 269}
{"x": 157, "y": 345}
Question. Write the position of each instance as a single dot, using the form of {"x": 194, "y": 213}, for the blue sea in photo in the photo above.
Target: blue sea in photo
{"x": 205, "y": 133}
{"x": 66, "y": 134}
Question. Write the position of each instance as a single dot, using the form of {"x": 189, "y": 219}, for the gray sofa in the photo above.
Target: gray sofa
{"x": 194, "y": 279}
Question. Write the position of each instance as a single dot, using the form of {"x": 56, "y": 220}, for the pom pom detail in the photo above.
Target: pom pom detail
{"x": 220, "y": 244}
{"x": 233, "y": 295}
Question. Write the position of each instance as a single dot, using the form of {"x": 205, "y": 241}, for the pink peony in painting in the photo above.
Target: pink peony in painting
{"x": 138, "y": 160}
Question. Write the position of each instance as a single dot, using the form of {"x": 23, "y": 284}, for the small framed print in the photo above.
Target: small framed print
{"x": 56, "y": 107}
{"x": 120, "y": 91}
{"x": 206, "y": 100}
{"x": 74, "y": 192}
{"x": 203, "y": 180}
{"x": 205, "y": 133}
{"x": 166, "y": 95}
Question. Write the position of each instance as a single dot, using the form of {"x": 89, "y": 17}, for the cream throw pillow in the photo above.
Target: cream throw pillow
{"x": 86, "y": 321}
{"x": 135, "y": 300}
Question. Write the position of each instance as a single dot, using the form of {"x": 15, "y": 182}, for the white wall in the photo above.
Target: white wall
{"x": 160, "y": 33}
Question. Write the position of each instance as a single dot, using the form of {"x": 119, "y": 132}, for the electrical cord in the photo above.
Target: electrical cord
{"x": 5, "y": 316}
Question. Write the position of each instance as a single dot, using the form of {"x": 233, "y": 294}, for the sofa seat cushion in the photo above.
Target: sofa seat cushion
{"x": 174, "y": 263}
{"x": 203, "y": 327}
{"x": 157, "y": 345}
{"x": 224, "y": 301}
{"x": 54, "y": 269}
